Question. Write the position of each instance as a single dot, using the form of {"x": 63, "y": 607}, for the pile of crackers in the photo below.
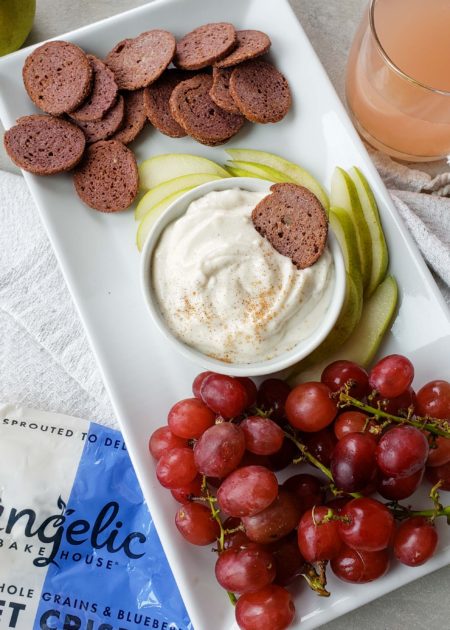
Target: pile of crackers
{"x": 94, "y": 107}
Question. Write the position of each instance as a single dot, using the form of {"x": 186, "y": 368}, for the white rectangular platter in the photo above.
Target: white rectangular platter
{"x": 100, "y": 262}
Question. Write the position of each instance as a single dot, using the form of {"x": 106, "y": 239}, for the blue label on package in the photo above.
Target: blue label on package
{"x": 84, "y": 559}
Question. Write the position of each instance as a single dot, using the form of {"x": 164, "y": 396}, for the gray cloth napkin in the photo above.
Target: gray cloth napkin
{"x": 45, "y": 360}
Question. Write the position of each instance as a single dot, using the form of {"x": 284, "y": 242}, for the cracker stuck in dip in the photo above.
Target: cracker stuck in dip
{"x": 225, "y": 291}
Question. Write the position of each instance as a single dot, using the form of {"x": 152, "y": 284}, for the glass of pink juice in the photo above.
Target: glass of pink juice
{"x": 398, "y": 78}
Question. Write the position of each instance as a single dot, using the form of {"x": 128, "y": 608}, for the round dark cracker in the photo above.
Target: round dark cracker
{"x": 138, "y": 62}
{"x": 134, "y": 118}
{"x": 220, "y": 91}
{"x": 107, "y": 178}
{"x": 260, "y": 91}
{"x": 106, "y": 126}
{"x": 156, "y": 102}
{"x": 294, "y": 222}
{"x": 205, "y": 45}
{"x": 44, "y": 145}
{"x": 193, "y": 109}
{"x": 57, "y": 77}
{"x": 103, "y": 95}
{"x": 250, "y": 44}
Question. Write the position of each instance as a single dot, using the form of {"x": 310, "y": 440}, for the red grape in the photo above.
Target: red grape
{"x": 214, "y": 482}
{"x": 439, "y": 452}
{"x": 433, "y": 400}
{"x": 391, "y": 376}
{"x": 272, "y": 395}
{"x": 198, "y": 382}
{"x": 251, "y": 459}
{"x": 307, "y": 488}
{"x": 398, "y": 488}
{"x": 318, "y": 540}
{"x": 219, "y": 450}
{"x": 360, "y": 567}
{"x": 162, "y": 440}
{"x": 352, "y": 422}
{"x": 321, "y": 445}
{"x": 398, "y": 405}
{"x": 289, "y": 562}
{"x": 262, "y": 436}
{"x": 337, "y": 374}
{"x": 271, "y": 608}
{"x": 309, "y": 407}
{"x": 225, "y": 395}
{"x": 247, "y": 491}
{"x": 284, "y": 457}
{"x": 276, "y": 521}
{"x": 337, "y": 504}
{"x": 439, "y": 473}
{"x": 371, "y": 487}
{"x": 190, "y": 418}
{"x": 250, "y": 390}
{"x": 238, "y": 539}
{"x": 415, "y": 541}
{"x": 353, "y": 464}
{"x": 245, "y": 570}
{"x": 176, "y": 468}
{"x": 196, "y": 525}
{"x": 402, "y": 451}
{"x": 370, "y": 525}
{"x": 184, "y": 494}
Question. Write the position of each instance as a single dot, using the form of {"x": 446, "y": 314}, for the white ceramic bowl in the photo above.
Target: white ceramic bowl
{"x": 283, "y": 360}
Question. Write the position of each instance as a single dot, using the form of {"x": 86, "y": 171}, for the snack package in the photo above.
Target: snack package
{"x": 78, "y": 549}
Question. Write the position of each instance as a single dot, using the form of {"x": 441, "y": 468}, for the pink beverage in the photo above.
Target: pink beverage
{"x": 398, "y": 78}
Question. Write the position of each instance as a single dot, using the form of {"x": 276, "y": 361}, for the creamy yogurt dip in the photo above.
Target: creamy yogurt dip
{"x": 225, "y": 291}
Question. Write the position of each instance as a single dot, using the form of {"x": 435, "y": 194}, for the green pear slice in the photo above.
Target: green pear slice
{"x": 345, "y": 196}
{"x": 160, "y": 192}
{"x": 153, "y": 214}
{"x": 380, "y": 256}
{"x": 293, "y": 171}
{"x": 260, "y": 170}
{"x": 240, "y": 172}
{"x": 364, "y": 342}
{"x": 345, "y": 232}
{"x": 161, "y": 168}
{"x": 343, "y": 328}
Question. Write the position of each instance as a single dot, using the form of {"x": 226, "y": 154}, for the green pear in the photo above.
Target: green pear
{"x": 153, "y": 215}
{"x": 364, "y": 342}
{"x": 345, "y": 196}
{"x": 160, "y": 192}
{"x": 239, "y": 172}
{"x": 260, "y": 170}
{"x": 16, "y": 21}
{"x": 343, "y": 328}
{"x": 380, "y": 256}
{"x": 161, "y": 168}
{"x": 345, "y": 232}
{"x": 294, "y": 172}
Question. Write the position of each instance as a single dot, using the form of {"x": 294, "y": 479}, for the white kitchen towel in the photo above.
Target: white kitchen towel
{"x": 45, "y": 359}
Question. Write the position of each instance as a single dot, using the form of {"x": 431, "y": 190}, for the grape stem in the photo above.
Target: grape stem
{"x": 306, "y": 455}
{"x": 216, "y": 516}
{"x": 316, "y": 581}
{"x": 401, "y": 511}
{"x": 433, "y": 425}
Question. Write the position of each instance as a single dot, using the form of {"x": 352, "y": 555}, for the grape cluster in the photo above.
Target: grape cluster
{"x": 365, "y": 433}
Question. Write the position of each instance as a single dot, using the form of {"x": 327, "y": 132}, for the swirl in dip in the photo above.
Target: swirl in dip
{"x": 225, "y": 291}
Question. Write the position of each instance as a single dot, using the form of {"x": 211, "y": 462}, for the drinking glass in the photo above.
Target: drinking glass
{"x": 398, "y": 78}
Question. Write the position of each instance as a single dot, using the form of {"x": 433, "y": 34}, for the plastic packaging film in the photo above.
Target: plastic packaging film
{"x": 78, "y": 549}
